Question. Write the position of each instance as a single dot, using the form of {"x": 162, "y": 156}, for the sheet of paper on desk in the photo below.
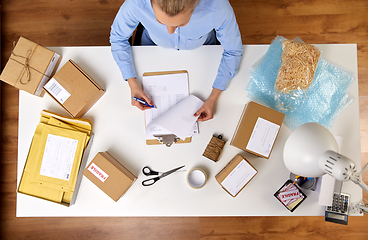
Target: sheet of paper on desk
{"x": 178, "y": 119}
{"x": 165, "y": 90}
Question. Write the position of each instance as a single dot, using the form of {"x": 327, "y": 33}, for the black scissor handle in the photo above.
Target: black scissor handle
{"x": 148, "y": 171}
{"x": 151, "y": 181}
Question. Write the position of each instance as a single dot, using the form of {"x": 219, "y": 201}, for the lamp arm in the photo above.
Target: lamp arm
{"x": 360, "y": 207}
{"x": 361, "y": 184}
{"x": 357, "y": 178}
{"x": 364, "y": 168}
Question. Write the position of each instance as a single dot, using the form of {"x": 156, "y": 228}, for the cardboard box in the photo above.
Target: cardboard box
{"x": 257, "y": 129}
{"x": 73, "y": 89}
{"x": 236, "y": 175}
{"x": 30, "y": 66}
{"x": 109, "y": 175}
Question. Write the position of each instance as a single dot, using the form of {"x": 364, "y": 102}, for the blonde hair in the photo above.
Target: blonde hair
{"x": 174, "y": 7}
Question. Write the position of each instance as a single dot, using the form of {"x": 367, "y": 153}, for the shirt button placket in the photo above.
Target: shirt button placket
{"x": 177, "y": 39}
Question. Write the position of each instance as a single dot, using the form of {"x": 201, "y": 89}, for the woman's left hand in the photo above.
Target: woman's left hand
{"x": 206, "y": 112}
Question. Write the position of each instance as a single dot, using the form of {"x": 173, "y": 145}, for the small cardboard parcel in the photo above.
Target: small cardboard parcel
{"x": 109, "y": 175}
{"x": 73, "y": 89}
{"x": 257, "y": 129}
{"x": 236, "y": 175}
{"x": 30, "y": 66}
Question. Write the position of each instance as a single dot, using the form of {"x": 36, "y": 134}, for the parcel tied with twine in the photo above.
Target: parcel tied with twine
{"x": 30, "y": 66}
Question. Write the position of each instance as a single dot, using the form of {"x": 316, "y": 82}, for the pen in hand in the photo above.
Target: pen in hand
{"x": 143, "y": 102}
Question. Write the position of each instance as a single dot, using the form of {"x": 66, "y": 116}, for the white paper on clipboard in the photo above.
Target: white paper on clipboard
{"x": 167, "y": 91}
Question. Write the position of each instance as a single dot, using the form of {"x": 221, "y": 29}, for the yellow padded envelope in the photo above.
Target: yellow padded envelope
{"x": 54, "y": 157}
{"x": 77, "y": 123}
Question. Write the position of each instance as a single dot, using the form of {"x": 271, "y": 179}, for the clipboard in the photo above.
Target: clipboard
{"x": 157, "y": 141}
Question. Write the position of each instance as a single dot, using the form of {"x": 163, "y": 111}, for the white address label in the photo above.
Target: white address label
{"x": 263, "y": 137}
{"x": 57, "y": 91}
{"x": 58, "y": 157}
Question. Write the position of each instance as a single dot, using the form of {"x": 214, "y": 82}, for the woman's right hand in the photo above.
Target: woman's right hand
{"x": 136, "y": 91}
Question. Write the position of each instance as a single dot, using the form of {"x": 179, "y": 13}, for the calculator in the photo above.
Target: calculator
{"x": 338, "y": 212}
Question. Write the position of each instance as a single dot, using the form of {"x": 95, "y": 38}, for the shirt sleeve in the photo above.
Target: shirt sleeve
{"x": 228, "y": 34}
{"x": 121, "y": 30}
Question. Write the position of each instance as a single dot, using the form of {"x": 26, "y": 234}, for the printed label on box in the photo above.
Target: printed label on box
{"x": 98, "y": 172}
{"x": 47, "y": 74}
{"x": 42, "y": 83}
{"x": 263, "y": 137}
{"x": 52, "y": 64}
{"x": 238, "y": 177}
{"x": 58, "y": 157}
{"x": 57, "y": 91}
{"x": 289, "y": 194}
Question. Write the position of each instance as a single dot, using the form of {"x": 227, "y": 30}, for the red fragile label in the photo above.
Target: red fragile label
{"x": 98, "y": 172}
{"x": 289, "y": 194}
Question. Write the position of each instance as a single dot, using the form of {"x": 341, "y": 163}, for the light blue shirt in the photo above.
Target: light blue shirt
{"x": 208, "y": 15}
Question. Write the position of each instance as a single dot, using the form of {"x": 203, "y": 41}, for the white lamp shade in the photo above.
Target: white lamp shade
{"x": 304, "y": 148}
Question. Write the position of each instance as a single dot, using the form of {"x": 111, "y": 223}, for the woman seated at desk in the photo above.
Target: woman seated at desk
{"x": 181, "y": 25}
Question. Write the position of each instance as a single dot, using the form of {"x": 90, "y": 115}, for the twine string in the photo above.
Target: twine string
{"x": 27, "y": 68}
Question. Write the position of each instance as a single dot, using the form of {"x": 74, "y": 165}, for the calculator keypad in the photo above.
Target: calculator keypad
{"x": 340, "y": 204}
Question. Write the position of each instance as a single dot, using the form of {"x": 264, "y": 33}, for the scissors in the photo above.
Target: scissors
{"x": 148, "y": 172}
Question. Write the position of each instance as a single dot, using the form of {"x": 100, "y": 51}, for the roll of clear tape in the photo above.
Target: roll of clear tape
{"x": 196, "y": 178}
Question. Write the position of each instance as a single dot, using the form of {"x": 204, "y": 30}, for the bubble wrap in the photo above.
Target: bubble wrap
{"x": 327, "y": 95}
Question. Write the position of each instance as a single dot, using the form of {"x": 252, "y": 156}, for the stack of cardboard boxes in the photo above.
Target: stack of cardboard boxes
{"x": 256, "y": 133}
{"x": 34, "y": 69}
{"x": 30, "y": 68}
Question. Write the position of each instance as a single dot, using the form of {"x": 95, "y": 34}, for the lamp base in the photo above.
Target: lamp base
{"x": 304, "y": 182}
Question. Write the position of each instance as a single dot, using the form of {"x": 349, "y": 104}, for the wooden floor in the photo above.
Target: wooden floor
{"x": 87, "y": 23}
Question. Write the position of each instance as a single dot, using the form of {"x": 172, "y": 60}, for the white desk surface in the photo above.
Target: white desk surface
{"x": 119, "y": 129}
